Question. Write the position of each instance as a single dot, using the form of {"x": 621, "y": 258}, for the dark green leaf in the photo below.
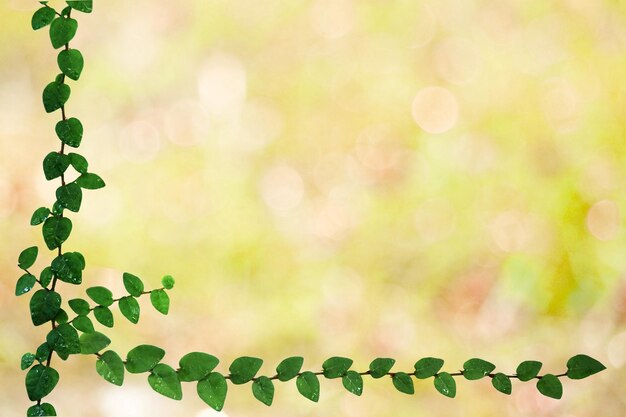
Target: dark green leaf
{"x": 64, "y": 340}
{"x": 527, "y": 370}
{"x": 61, "y": 317}
{"x": 91, "y": 343}
{"x": 62, "y": 30}
{"x": 164, "y": 380}
{"x": 27, "y": 360}
{"x": 160, "y": 300}
{"x": 289, "y": 368}
{"x": 309, "y": 386}
{"x": 39, "y": 216}
{"x": 42, "y": 18}
{"x": 28, "y": 257}
{"x": 55, "y": 164}
{"x": 100, "y": 295}
{"x": 130, "y": 309}
{"x": 195, "y": 366}
{"x": 168, "y": 282}
{"x": 44, "y": 306}
{"x": 445, "y": 384}
{"x": 353, "y": 382}
{"x": 57, "y": 208}
{"x": 143, "y": 358}
{"x": 336, "y": 367}
{"x": 582, "y": 366}
{"x": 24, "y": 284}
{"x": 104, "y": 316}
{"x": 212, "y": 390}
{"x": 70, "y": 131}
{"x": 43, "y": 409}
{"x": 46, "y": 276}
{"x": 66, "y": 11}
{"x": 403, "y": 383}
{"x": 43, "y": 352}
{"x": 477, "y": 368}
{"x": 55, "y": 95}
{"x": 69, "y": 267}
{"x": 56, "y": 230}
{"x": 502, "y": 383}
{"x": 243, "y": 369}
{"x": 263, "y": 390}
{"x": 427, "y": 367}
{"x": 110, "y": 367}
{"x": 133, "y": 284}
{"x": 84, "y": 324}
{"x": 381, "y": 367}
{"x": 79, "y": 162}
{"x": 85, "y": 6}
{"x": 70, "y": 196}
{"x": 79, "y": 306}
{"x": 90, "y": 181}
{"x": 71, "y": 64}
{"x": 550, "y": 386}
{"x": 40, "y": 381}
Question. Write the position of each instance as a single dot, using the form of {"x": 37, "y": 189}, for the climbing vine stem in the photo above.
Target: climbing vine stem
{"x": 78, "y": 335}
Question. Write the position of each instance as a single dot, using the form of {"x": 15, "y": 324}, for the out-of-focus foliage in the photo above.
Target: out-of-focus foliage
{"x": 338, "y": 177}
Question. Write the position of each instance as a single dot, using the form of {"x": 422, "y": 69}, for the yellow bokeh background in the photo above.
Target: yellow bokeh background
{"x": 359, "y": 178}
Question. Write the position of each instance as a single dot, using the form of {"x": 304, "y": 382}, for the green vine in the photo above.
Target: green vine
{"x": 64, "y": 340}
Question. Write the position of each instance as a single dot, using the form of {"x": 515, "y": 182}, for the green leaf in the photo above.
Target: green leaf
{"x": 39, "y": 216}
{"x": 353, "y": 382}
{"x": 143, "y": 358}
{"x": 79, "y": 162}
{"x": 160, "y": 300}
{"x": 243, "y": 369}
{"x": 381, "y": 367}
{"x": 55, "y": 95}
{"x": 70, "y": 131}
{"x": 110, "y": 367}
{"x": 85, "y": 6}
{"x": 477, "y": 368}
{"x": 42, "y": 18}
{"x": 263, "y": 390}
{"x": 27, "y": 360}
{"x": 62, "y": 30}
{"x": 40, "y": 381}
{"x": 90, "y": 181}
{"x": 289, "y": 368}
{"x": 44, "y": 306}
{"x": 56, "y": 230}
{"x": 427, "y": 367}
{"x": 61, "y": 317}
{"x": 445, "y": 384}
{"x": 55, "y": 164}
{"x": 28, "y": 257}
{"x": 582, "y": 366}
{"x": 57, "y": 209}
{"x": 133, "y": 284}
{"x": 84, "y": 324}
{"x": 70, "y": 196}
{"x": 100, "y": 295}
{"x": 195, "y": 366}
{"x": 69, "y": 267}
{"x": 336, "y": 367}
{"x": 104, "y": 316}
{"x": 43, "y": 352}
{"x": 43, "y": 409}
{"x": 164, "y": 380}
{"x": 527, "y": 370}
{"x": 212, "y": 390}
{"x": 403, "y": 383}
{"x": 64, "y": 340}
{"x": 46, "y": 276}
{"x": 502, "y": 383}
{"x": 308, "y": 386}
{"x": 129, "y": 307}
{"x": 550, "y": 386}
{"x": 24, "y": 284}
{"x": 71, "y": 64}
{"x": 91, "y": 343}
{"x": 168, "y": 282}
{"x": 79, "y": 306}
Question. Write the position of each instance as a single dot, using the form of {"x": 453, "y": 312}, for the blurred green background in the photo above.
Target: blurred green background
{"x": 336, "y": 177}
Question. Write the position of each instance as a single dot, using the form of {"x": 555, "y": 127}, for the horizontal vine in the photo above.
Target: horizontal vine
{"x": 78, "y": 335}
